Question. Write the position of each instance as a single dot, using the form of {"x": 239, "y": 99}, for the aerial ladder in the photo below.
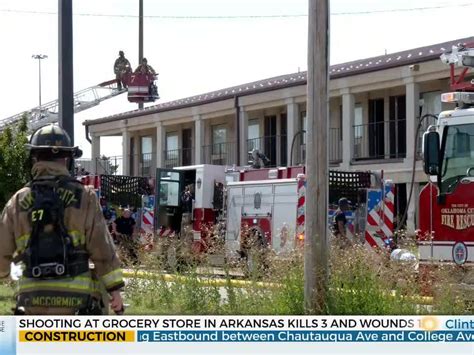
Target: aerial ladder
{"x": 83, "y": 100}
{"x": 460, "y": 56}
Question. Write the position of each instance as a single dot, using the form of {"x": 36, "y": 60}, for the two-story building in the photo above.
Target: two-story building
{"x": 375, "y": 106}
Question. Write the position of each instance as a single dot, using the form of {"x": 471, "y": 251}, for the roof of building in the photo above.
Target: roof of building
{"x": 361, "y": 66}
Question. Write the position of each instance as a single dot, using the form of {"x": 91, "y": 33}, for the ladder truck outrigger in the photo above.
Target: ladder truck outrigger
{"x": 446, "y": 203}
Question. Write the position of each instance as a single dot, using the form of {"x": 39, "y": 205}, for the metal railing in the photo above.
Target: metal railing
{"x": 334, "y": 148}
{"x": 380, "y": 140}
{"x": 335, "y": 145}
{"x": 178, "y": 157}
{"x": 274, "y": 148}
{"x": 219, "y": 154}
{"x": 146, "y": 164}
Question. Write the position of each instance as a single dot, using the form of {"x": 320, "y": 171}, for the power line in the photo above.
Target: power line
{"x": 227, "y": 17}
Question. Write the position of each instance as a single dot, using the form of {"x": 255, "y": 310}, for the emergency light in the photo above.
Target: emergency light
{"x": 461, "y": 97}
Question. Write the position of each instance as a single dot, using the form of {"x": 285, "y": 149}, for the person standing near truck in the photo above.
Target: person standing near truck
{"x": 340, "y": 222}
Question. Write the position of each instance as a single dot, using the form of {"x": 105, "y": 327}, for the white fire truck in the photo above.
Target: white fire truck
{"x": 446, "y": 205}
{"x": 270, "y": 202}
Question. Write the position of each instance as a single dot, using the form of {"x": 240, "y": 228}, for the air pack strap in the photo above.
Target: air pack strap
{"x": 55, "y": 270}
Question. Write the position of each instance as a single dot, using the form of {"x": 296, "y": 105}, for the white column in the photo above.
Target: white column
{"x": 198, "y": 139}
{"x": 412, "y": 112}
{"x": 348, "y": 104}
{"x": 244, "y": 121}
{"x": 412, "y": 207}
{"x": 95, "y": 154}
{"x": 137, "y": 155}
{"x": 160, "y": 145}
{"x": 278, "y": 139}
{"x": 386, "y": 125}
{"x": 125, "y": 152}
{"x": 412, "y": 98}
{"x": 292, "y": 124}
{"x": 364, "y": 144}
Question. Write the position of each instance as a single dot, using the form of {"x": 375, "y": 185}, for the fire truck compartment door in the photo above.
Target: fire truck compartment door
{"x": 284, "y": 217}
{"x": 169, "y": 185}
{"x": 234, "y": 217}
{"x": 258, "y": 200}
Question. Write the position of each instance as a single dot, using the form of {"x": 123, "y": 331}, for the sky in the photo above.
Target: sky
{"x": 202, "y": 45}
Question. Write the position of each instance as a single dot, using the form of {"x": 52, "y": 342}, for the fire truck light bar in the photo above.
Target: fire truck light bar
{"x": 461, "y": 97}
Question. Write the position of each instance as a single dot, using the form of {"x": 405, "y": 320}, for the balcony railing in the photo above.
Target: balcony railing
{"x": 334, "y": 148}
{"x": 274, "y": 148}
{"x": 380, "y": 140}
{"x": 219, "y": 154}
{"x": 178, "y": 157}
{"x": 146, "y": 166}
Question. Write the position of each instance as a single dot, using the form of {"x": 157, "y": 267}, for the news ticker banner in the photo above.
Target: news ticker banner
{"x": 198, "y": 334}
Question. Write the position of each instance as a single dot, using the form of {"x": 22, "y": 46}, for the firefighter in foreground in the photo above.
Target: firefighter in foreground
{"x": 53, "y": 227}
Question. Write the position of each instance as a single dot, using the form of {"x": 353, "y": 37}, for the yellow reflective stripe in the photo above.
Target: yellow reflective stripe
{"x": 22, "y": 241}
{"x": 77, "y": 238}
{"x": 112, "y": 278}
{"x": 82, "y": 283}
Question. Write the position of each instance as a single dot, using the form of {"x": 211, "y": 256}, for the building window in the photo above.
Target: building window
{"x": 146, "y": 158}
{"x": 303, "y": 128}
{"x": 358, "y": 130}
{"x": 303, "y": 125}
{"x": 376, "y": 129}
{"x": 147, "y": 145}
{"x": 397, "y": 126}
{"x": 219, "y": 134}
{"x": 358, "y": 120}
{"x": 340, "y": 122}
{"x": 219, "y": 139}
{"x": 253, "y": 134}
{"x": 172, "y": 141}
{"x": 172, "y": 150}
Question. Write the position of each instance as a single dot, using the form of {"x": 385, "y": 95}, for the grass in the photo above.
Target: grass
{"x": 197, "y": 295}
{"x": 361, "y": 282}
{"x": 6, "y": 298}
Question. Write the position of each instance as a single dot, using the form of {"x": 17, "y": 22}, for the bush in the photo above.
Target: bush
{"x": 14, "y": 165}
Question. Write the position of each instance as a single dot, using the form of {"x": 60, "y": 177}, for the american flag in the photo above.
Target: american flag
{"x": 380, "y": 214}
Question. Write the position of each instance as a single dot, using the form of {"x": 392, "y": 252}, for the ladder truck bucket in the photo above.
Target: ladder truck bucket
{"x": 142, "y": 88}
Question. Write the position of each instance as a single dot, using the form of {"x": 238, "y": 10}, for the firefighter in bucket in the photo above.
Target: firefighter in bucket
{"x": 53, "y": 227}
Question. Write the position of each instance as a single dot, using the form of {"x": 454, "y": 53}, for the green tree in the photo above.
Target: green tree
{"x": 108, "y": 166}
{"x": 14, "y": 163}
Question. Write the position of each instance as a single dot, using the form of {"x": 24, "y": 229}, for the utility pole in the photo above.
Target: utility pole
{"x": 66, "y": 84}
{"x": 316, "y": 241}
{"x": 39, "y": 57}
{"x": 140, "y": 38}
